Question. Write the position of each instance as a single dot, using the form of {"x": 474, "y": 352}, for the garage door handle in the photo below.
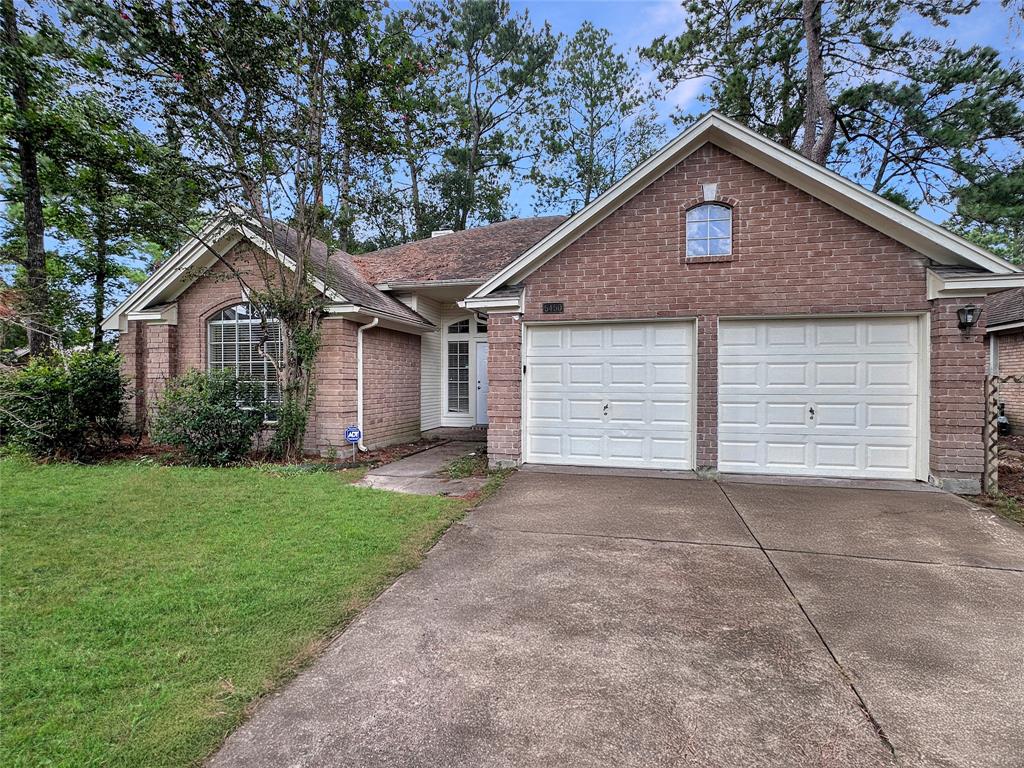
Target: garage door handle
{"x": 811, "y": 409}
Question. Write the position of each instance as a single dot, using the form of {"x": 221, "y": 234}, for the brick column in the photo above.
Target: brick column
{"x": 958, "y": 368}
{"x": 161, "y": 350}
{"x": 505, "y": 376}
{"x": 132, "y": 346}
{"x": 707, "y": 391}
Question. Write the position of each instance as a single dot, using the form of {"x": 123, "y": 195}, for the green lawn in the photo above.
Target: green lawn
{"x": 144, "y": 607}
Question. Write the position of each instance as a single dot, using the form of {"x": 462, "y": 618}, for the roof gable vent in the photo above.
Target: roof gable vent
{"x": 442, "y": 232}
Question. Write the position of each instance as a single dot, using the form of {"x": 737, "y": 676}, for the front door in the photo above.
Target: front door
{"x": 481, "y": 382}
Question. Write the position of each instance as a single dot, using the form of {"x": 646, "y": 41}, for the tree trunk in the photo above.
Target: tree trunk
{"x": 819, "y": 115}
{"x": 99, "y": 280}
{"x": 37, "y": 293}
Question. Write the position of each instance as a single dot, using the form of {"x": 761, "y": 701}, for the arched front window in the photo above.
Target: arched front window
{"x": 238, "y": 341}
{"x": 709, "y": 230}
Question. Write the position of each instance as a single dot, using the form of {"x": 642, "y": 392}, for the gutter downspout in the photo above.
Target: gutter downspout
{"x": 359, "y": 376}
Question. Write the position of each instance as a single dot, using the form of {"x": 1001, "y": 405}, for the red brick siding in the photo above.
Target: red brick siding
{"x": 131, "y": 345}
{"x": 793, "y": 254}
{"x": 391, "y": 386}
{"x": 1010, "y": 355}
{"x": 504, "y": 374}
{"x": 959, "y": 363}
{"x": 170, "y": 350}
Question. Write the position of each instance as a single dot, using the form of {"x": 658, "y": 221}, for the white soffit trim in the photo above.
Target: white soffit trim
{"x": 902, "y": 225}
{"x": 387, "y": 320}
{"x": 221, "y": 232}
{"x": 940, "y": 287}
{"x": 493, "y": 304}
{"x": 1004, "y": 327}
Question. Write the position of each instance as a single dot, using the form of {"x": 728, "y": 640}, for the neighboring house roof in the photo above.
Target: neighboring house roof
{"x": 1005, "y": 308}
{"x": 925, "y": 237}
{"x": 469, "y": 255}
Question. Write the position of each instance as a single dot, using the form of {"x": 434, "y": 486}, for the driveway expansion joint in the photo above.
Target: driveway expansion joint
{"x": 881, "y": 558}
{"x": 847, "y": 678}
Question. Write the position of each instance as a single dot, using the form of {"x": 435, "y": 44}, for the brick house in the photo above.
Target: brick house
{"x": 728, "y": 304}
{"x": 1005, "y": 329}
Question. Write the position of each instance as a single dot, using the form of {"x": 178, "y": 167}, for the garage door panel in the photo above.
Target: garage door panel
{"x": 623, "y": 392}
{"x": 832, "y": 397}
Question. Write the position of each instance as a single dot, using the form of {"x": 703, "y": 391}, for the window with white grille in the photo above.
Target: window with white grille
{"x": 709, "y": 230}
{"x": 237, "y": 340}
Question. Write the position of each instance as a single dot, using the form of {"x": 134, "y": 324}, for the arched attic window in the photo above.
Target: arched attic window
{"x": 709, "y": 230}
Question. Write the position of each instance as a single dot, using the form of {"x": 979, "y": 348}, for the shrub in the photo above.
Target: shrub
{"x": 212, "y": 416}
{"x": 66, "y": 407}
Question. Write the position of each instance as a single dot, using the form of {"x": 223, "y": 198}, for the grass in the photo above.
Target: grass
{"x": 471, "y": 465}
{"x": 1008, "y": 506}
{"x": 145, "y": 607}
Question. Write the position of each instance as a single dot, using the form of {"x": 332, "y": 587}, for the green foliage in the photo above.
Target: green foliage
{"x": 64, "y": 407}
{"x": 212, "y": 416}
{"x": 990, "y": 212}
{"x": 915, "y": 117}
{"x": 292, "y": 417}
{"x": 495, "y": 74}
{"x": 598, "y": 125}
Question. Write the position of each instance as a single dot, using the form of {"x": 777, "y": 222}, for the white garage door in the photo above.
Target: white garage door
{"x": 610, "y": 395}
{"x": 835, "y": 397}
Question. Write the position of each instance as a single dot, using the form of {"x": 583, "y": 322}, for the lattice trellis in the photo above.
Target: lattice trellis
{"x": 992, "y": 429}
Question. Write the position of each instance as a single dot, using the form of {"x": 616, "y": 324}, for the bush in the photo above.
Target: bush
{"x": 65, "y": 407}
{"x": 212, "y": 416}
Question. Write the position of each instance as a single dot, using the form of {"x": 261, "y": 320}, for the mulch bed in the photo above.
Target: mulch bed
{"x": 1011, "y": 466}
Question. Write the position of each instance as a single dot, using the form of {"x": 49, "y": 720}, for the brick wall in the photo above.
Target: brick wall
{"x": 792, "y": 254}
{"x": 153, "y": 353}
{"x": 1010, "y": 354}
{"x": 504, "y": 375}
{"x": 391, "y": 387}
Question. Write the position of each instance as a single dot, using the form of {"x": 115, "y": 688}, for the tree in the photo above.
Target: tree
{"x": 901, "y": 113}
{"x": 600, "y": 122}
{"x": 24, "y": 75}
{"x": 266, "y": 99}
{"x": 990, "y": 212}
{"x": 101, "y": 185}
{"x": 495, "y": 70}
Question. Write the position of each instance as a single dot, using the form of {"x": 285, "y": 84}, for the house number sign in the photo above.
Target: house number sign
{"x": 553, "y": 308}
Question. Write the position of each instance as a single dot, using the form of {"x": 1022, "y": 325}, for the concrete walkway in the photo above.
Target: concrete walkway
{"x": 623, "y": 621}
{"x": 424, "y": 473}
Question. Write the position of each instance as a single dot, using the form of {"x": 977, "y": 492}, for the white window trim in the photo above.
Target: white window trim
{"x": 449, "y": 317}
{"x": 210, "y": 321}
{"x": 710, "y": 204}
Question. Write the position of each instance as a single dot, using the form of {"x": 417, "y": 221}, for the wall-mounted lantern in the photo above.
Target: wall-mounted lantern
{"x": 968, "y": 316}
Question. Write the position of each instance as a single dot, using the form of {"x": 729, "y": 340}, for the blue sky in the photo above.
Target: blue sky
{"x": 635, "y": 23}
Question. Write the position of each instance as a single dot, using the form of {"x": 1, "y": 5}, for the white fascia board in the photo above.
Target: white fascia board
{"x": 493, "y": 304}
{"x": 405, "y": 285}
{"x": 259, "y": 241}
{"x": 167, "y": 272}
{"x": 877, "y": 212}
{"x": 225, "y": 223}
{"x": 940, "y": 287}
{"x": 387, "y": 320}
{"x": 1004, "y": 327}
{"x": 163, "y": 315}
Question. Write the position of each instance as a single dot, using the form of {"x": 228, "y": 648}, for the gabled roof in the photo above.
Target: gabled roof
{"x": 1005, "y": 308}
{"x": 334, "y": 273}
{"x": 469, "y": 255}
{"x": 916, "y": 232}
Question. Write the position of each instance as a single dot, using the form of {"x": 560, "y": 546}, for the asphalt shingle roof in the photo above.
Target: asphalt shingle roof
{"x": 473, "y": 254}
{"x": 339, "y": 273}
{"x": 1005, "y": 307}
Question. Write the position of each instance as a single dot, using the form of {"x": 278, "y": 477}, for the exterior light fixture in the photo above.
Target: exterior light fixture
{"x": 968, "y": 316}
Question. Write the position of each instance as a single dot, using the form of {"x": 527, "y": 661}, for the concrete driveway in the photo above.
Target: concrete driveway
{"x": 578, "y": 620}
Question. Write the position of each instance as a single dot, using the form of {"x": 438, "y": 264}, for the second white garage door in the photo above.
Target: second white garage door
{"x": 835, "y": 397}
{"x": 610, "y": 395}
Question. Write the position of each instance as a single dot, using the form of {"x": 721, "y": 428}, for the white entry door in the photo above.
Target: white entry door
{"x": 835, "y": 397}
{"x": 481, "y": 382}
{"x": 610, "y": 395}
